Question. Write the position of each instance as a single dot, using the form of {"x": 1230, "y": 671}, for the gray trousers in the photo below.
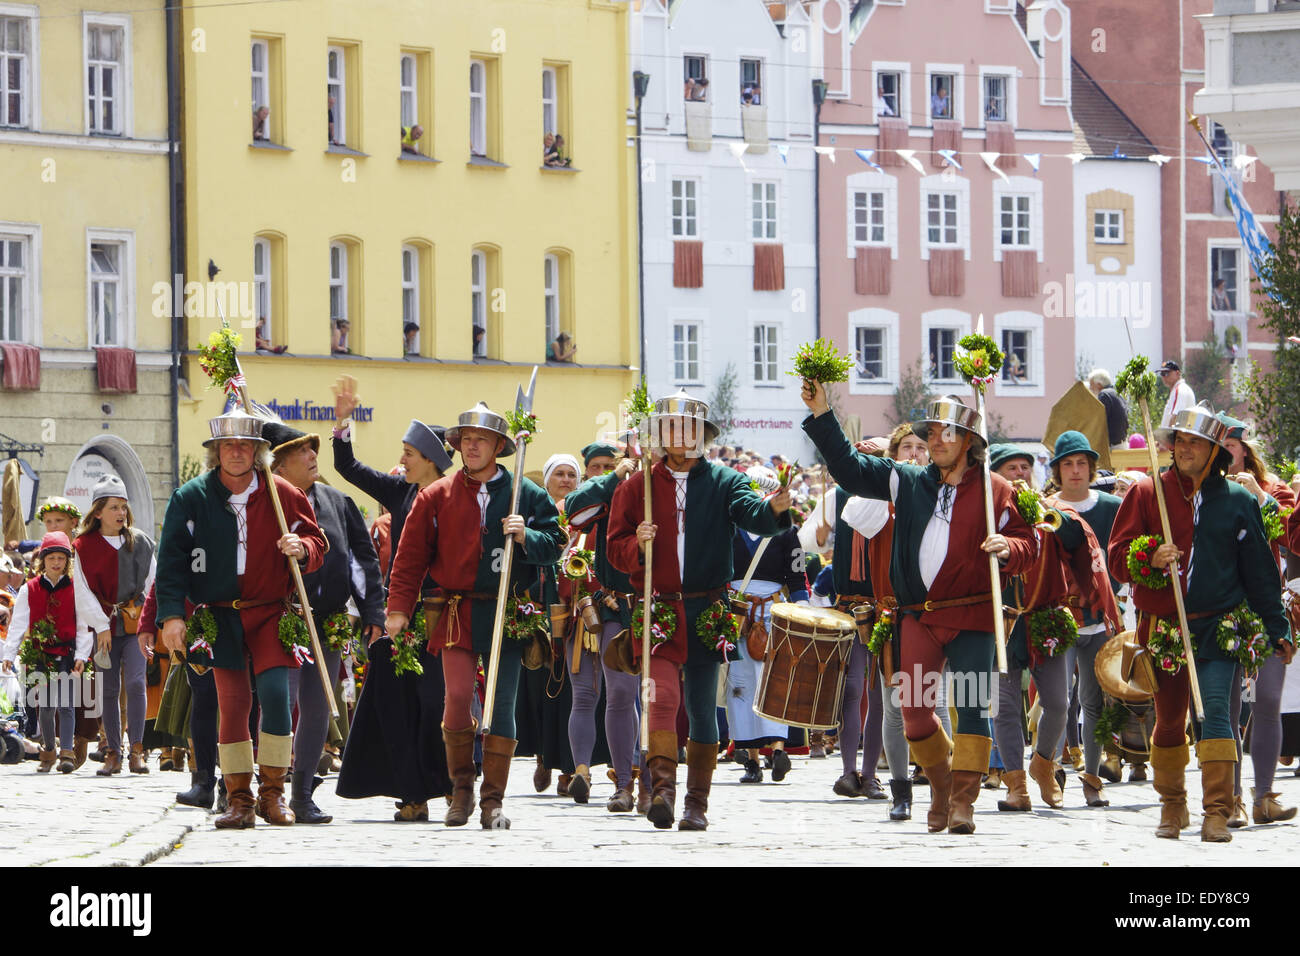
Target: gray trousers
{"x": 1051, "y": 679}
{"x": 896, "y": 752}
{"x": 128, "y": 665}
{"x": 313, "y": 720}
{"x": 1090, "y": 696}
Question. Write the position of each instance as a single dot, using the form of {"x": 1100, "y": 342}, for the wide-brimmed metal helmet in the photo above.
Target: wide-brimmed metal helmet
{"x": 235, "y": 423}
{"x": 483, "y": 418}
{"x": 697, "y": 431}
{"x": 1199, "y": 422}
{"x": 949, "y": 412}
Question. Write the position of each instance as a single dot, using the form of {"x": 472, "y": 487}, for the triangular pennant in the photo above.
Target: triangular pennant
{"x": 909, "y": 156}
{"x": 1074, "y": 158}
{"x": 825, "y": 151}
{"x": 991, "y": 161}
{"x": 1203, "y": 159}
{"x": 1159, "y": 158}
{"x": 865, "y": 155}
{"x": 784, "y": 151}
{"x": 950, "y": 157}
{"x": 1242, "y": 161}
{"x": 738, "y": 149}
{"x": 1033, "y": 159}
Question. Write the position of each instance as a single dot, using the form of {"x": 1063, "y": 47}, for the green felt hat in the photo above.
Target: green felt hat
{"x": 1236, "y": 427}
{"x": 597, "y": 449}
{"x": 1072, "y": 443}
{"x": 1002, "y": 453}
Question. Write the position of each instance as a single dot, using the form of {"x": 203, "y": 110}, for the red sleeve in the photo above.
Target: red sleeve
{"x": 149, "y": 613}
{"x": 1282, "y": 494}
{"x": 301, "y": 519}
{"x": 415, "y": 552}
{"x": 1020, "y": 537}
{"x": 626, "y": 511}
{"x": 1130, "y": 521}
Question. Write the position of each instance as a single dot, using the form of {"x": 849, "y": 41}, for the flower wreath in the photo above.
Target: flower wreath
{"x": 201, "y": 631}
{"x": 1140, "y": 568}
{"x": 1240, "y": 634}
{"x": 1028, "y": 504}
{"x": 1165, "y": 644}
{"x": 1052, "y": 631}
{"x": 406, "y": 651}
{"x": 32, "y": 654}
{"x": 978, "y": 359}
{"x": 337, "y": 630}
{"x": 523, "y": 619}
{"x": 663, "y": 623}
{"x": 1111, "y": 724}
{"x": 882, "y": 632}
{"x": 294, "y": 636}
{"x": 1275, "y": 522}
{"x": 68, "y": 509}
{"x": 717, "y": 627}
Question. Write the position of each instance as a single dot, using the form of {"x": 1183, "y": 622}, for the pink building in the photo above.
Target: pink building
{"x": 910, "y": 257}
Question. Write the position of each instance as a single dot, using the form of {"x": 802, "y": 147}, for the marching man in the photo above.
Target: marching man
{"x": 940, "y": 579}
{"x": 456, "y": 533}
{"x": 221, "y": 548}
{"x": 696, "y": 508}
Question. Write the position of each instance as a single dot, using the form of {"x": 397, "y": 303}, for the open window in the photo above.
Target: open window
{"x": 751, "y": 82}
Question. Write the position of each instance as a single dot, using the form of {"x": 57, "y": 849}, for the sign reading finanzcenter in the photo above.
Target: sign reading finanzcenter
{"x": 299, "y": 410}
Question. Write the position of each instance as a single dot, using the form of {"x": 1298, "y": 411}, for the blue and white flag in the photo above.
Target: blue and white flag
{"x": 1258, "y": 246}
{"x": 865, "y": 155}
{"x": 950, "y": 155}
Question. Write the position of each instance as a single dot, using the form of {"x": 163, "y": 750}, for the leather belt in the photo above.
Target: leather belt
{"x": 239, "y": 604}
{"x": 714, "y": 594}
{"x": 855, "y": 599}
{"x": 1202, "y": 615}
{"x": 472, "y": 595}
{"x": 951, "y": 602}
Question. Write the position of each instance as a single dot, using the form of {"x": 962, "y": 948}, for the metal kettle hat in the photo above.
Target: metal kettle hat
{"x": 235, "y": 423}
{"x": 1198, "y": 421}
{"x": 682, "y": 405}
{"x": 482, "y": 417}
{"x": 950, "y": 411}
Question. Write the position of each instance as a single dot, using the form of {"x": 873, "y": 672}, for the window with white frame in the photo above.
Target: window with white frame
{"x": 477, "y": 108}
{"x": 1014, "y": 224}
{"x": 765, "y": 353}
{"x": 695, "y": 73}
{"x": 686, "y": 352}
{"x": 338, "y": 282}
{"x": 262, "y": 287}
{"x": 1221, "y": 142}
{"x": 411, "y": 300}
{"x": 259, "y": 71}
{"x": 943, "y": 225}
{"x": 763, "y": 210}
{"x": 407, "y": 80}
{"x": 1223, "y": 278}
{"x": 997, "y": 103}
{"x": 15, "y": 287}
{"x": 551, "y": 296}
{"x": 478, "y": 300}
{"x": 869, "y": 217}
{"x": 105, "y": 84}
{"x": 106, "y": 262}
{"x": 548, "y": 101}
{"x": 685, "y": 208}
{"x": 336, "y": 86}
{"x": 751, "y": 82}
{"x": 889, "y": 93}
{"x": 942, "y": 92}
{"x": 1108, "y": 225}
{"x": 1017, "y": 346}
{"x": 15, "y": 71}
{"x": 869, "y": 346}
{"x": 942, "y": 343}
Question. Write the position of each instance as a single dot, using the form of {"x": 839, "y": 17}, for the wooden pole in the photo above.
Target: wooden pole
{"x": 647, "y": 592}
{"x": 995, "y": 571}
{"x": 503, "y": 595}
{"x": 1177, "y": 581}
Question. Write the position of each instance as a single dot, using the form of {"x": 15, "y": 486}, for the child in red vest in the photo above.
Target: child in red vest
{"x": 59, "y": 627}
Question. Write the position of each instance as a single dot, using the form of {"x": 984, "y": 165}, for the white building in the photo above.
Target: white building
{"x": 728, "y": 191}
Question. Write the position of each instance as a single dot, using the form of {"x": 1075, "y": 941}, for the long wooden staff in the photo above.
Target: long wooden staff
{"x": 241, "y": 384}
{"x": 995, "y": 571}
{"x": 523, "y": 405}
{"x": 1149, "y": 433}
{"x": 647, "y": 590}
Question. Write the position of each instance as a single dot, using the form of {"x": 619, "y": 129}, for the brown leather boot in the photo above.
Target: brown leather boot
{"x": 48, "y": 759}
{"x": 66, "y": 761}
{"x": 460, "y": 764}
{"x": 1043, "y": 771}
{"x": 701, "y": 761}
{"x": 1092, "y": 789}
{"x": 1240, "y": 818}
{"x": 580, "y": 785}
{"x": 643, "y": 792}
{"x": 137, "y": 759}
{"x": 270, "y": 796}
{"x": 970, "y": 761}
{"x": 239, "y": 813}
{"x": 1268, "y": 810}
{"x": 1168, "y": 765}
{"x": 80, "y": 748}
{"x": 661, "y": 761}
{"x": 112, "y": 763}
{"x": 497, "y": 753}
{"x": 1017, "y": 792}
{"x": 541, "y": 776}
{"x": 1218, "y": 762}
{"x": 934, "y": 756}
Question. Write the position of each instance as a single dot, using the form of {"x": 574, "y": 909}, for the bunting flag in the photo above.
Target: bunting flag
{"x": 825, "y": 151}
{"x": 1241, "y": 161}
{"x": 991, "y": 161}
{"x": 738, "y": 149}
{"x": 1159, "y": 158}
{"x": 1033, "y": 159}
{"x": 1075, "y": 158}
{"x": 909, "y": 156}
{"x": 1253, "y": 237}
{"x": 950, "y": 157}
{"x": 1116, "y": 154}
{"x": 783, "y": 150}
{"x": 865, "y": 155}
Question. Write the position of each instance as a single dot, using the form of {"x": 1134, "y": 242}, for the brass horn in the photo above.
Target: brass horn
{"x": 576, "y": 566}
{"x": 1051, "y": 519}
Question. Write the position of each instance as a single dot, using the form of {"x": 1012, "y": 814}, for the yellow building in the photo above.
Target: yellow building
{"x": 84, "y": 238}
{"x": 334, "y": 241}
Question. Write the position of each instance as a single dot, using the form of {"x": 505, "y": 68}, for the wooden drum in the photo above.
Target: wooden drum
{"x": 803, "y": 672}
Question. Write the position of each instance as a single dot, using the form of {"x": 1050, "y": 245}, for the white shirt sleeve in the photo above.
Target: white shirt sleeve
{"x": 85, "y": 645}
{"x": 19, "y": 621}
{"x": 866, "y": 516}
{"x": 808, "y": 530}
{"x": 153, "y": 570}
{"x": 89, "y": 611}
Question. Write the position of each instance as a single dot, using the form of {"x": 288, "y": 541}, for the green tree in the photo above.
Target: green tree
{"x": 1272, "y": 392}
{"x": 912, "y": 395}
{"x": 1208, "y": 371}
{"x": 722, "y": 403}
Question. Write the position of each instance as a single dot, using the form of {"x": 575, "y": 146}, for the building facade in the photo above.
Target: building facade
{"x": 917, "y": 245}
{"x": 438, "y": 269}
{"x": 84, "y": 234}
{"x": 727, "y": 185}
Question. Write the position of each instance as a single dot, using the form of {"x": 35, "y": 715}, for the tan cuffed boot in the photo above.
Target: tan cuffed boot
{"x": 1043, "y": 772}
{"x": 274, "y": 756}
{"x": 1092, "y": 789}
{"x": 1017, "y": 792}
{"x": 1075, "y": 755}
{"x": 1268, "y": 810}
{"x": 236, "y": 761}
{"x": 970, "y": 761}
{"x": 1218, "y": 762}
{"x": 661, "y": 761}
{"x": 460, "y": 766}
{"x": 48, "y": 759}
{"x": 701, "y": 761}
{"x": 497, "y": 754}
{"x": 1168, "y": 765}
{"x": 66, "y": 761}
{"x": 137, "y": 760}
{"x": 934, "y": 756}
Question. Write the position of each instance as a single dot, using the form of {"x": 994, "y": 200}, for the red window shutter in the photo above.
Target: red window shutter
{"x": 769, "y": 267}
{"x": 871, "y": 270}
{"x": 1019, "y": 273}
{"x": 893, "y": 135}
{"x": 22, "y": 366}
{"x": 947, "y": 135}
{"x": 115, "y": 369}
{"x": 947, "y": 272}
{"x": 688, "y": 264}
{"x": 1001, "y": 138}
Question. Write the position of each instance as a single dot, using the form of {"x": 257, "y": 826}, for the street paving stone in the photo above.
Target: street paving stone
{"x": 133, "y": 820}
